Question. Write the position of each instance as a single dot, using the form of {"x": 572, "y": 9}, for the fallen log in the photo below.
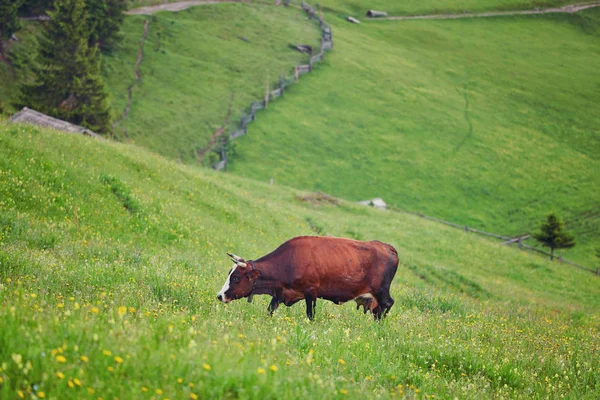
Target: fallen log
{"x": 302, "y": 48}
{"x": 376, "y": 14}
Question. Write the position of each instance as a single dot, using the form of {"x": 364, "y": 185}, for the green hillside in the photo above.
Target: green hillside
{"x": 195, "y": 62}
{"x": 410, "y": 7}
{"x": 110, "y": 258}
{"x": 416, "y": 7}
{"x": 487, "y": 123}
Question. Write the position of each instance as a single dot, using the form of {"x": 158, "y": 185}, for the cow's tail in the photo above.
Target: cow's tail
{"x": 392, "y": 264}
{"x": 394, "y": 253}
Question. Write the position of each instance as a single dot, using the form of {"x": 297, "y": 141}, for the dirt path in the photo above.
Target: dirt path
{"x": 176, "y": 6}
{"x": 571, "y": 8}
{"x": 138, "y": 77}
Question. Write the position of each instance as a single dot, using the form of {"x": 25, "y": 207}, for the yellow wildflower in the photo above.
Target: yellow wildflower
{"x": 341, "y": 361}
{"x": 60, "y": 375}
{"x": 159, "y": 391}
{"x": 144, "y": 389}
{"x": 77, "y": 381}
{"x": 273, "y": 368}
{"x": 95, "y": 310}
{"x": 193, "y": 396}
{"x": 61, "y": 359}
{"x": 107, "y": 352}
{"x": 260, "y": 370}
{"x": 118, "y": 359}
{"x": 122, "y": 310}
{"x": 41, "y": 395}
{"x": 71, "y": 384}
{"x": 206, "y": 367}
{"x": 84, "y": 359}
{"x": 91, "y": 390}
{"x": 20, "y": 394}
{"x": 110, "y": 369}
{"x": 179, "y": 380}
{"x": 343, "y": 391}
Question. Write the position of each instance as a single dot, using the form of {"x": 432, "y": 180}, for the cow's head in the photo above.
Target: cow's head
{"x": 240, "y": 281}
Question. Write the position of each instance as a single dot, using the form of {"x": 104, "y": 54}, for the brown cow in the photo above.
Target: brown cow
{"x": 310, "y": 267}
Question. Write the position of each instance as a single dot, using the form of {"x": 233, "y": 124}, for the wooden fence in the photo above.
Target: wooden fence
{"x": 507, "y": 240}
{"x": 279, "y": 91}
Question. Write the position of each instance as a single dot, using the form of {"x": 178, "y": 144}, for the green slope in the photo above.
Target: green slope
{"x": 195, "y": 62}
{"x": 488, "y": 123}
{"x": 416, "y": 7}
{"x": 410, "y": 7}
{"x": 110, "y": 258}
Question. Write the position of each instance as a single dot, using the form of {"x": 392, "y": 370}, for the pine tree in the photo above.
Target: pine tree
{"x": 553, "y": 235}
{"x": 68, "y": 83}
{"x": 9, "y": 22}
{"x": 35, "y": 7}
{"x": 105, "y": 19}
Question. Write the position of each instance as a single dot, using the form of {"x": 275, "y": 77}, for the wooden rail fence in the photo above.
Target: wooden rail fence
{"x": 506, "y": 239}
{"x": 326, "y": 45}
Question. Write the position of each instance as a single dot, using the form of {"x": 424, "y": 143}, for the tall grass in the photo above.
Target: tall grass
{"x": 97, "y": 301}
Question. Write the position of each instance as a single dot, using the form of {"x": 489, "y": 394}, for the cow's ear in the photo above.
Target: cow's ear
{"x": 254, "y": 274}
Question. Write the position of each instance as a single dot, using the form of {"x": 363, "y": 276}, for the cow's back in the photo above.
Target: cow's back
{"x": 335, "y": 266}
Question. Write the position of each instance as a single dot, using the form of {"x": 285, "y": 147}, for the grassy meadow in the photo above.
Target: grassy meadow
{"x": 487, "y": 123}
{"x": 408, "y": 7}
{"x": 197, "y": 63}
{"x": 416, "y": 7}
{"x": 111, "y": 256}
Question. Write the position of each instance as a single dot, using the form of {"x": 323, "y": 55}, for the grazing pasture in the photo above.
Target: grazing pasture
{"x": 197, "y": 64}
{"x": 483, "y": 122}
{"x": 111, "y": 257}
{"x": 416, "y": 7}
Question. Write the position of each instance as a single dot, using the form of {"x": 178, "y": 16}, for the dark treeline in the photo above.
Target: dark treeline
{"x": 64, "y": 76}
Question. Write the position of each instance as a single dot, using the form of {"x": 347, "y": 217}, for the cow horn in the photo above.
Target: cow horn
{"x": 235, "y": 258}
{"x": 238, "y": 260}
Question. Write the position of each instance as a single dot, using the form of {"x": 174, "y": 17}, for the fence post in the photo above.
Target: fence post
{"x": 296, "y": 72}
{"x": 267, "y": 91}
{"x": 598, "y": 271}
{"x": 559, "y": 259}
{"x": 466, "y": 228}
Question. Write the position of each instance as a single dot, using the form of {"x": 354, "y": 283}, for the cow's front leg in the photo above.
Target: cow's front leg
{"x": 311, "y": 303}
{"x": 273, "y": 306}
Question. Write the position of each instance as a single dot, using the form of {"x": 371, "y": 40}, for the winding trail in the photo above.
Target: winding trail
{"x": 569, "y": 9}
{"x": 138, "y": 78}
{"x": 176, "y": 6}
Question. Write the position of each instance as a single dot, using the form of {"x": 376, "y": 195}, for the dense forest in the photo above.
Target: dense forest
{"x": 64, "y": 73}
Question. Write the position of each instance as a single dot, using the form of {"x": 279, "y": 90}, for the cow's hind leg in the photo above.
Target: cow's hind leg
{"x": 385, "y": 303}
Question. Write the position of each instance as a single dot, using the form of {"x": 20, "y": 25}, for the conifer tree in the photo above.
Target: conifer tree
{"x": 105, "y": 19}
{"x": 35, "y": 7}
{"x": 9, "y": 22}
{"x": 553, "y": 235}
{"x": 68, "y": 83}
